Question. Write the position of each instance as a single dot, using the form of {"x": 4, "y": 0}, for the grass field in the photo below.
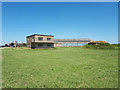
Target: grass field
{"x": 65, "y": 67}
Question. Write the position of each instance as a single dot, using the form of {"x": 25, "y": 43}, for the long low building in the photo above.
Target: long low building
{"x": 70, "y": 42}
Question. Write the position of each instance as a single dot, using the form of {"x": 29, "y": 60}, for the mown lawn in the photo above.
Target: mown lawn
{"x": 70, "y": 67}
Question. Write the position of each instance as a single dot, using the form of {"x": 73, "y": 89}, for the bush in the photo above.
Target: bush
{"x": 116, "y": 45}
{"x": 24, "y": 44}
{"x": 99, "y": 46}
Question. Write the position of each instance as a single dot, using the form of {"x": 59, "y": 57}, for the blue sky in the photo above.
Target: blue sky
{"x": 97, "y": 21}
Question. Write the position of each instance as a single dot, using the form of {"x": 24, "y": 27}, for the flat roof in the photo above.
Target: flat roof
{"x": 39, "y": 35}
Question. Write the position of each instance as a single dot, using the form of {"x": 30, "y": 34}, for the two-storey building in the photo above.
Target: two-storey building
{"x": 40, "y": 41}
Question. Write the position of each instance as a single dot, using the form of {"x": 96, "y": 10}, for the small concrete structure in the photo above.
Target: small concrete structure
{"x": 40, "y": 41}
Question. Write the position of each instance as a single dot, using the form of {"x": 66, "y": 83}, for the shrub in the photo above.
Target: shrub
{"x": 116, "y": 45}
{"x": 24, "y": 44}
{"x": 99, "y": 46}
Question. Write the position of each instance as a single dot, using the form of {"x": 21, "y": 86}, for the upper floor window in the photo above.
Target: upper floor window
{"x": 32, "y": 37}
{"x": 48, "y": 39}
{"x": 40, "y": 38}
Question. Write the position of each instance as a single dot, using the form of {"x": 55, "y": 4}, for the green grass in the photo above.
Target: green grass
{"x": 64, "y": 67}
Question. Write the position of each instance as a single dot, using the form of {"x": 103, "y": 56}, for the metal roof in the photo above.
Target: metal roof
{"x": 72, "y": 40}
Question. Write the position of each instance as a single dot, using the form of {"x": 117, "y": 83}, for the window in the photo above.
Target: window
{"x": 48, "y": 39}
{"x": 48, "y": 44}
{"x": 40, "y": 44}
{"x": 40, "y": 38}
{"x": 32, "y": 37}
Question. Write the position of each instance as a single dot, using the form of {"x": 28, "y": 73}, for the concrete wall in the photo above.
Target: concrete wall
{"x": 57, "y": 44}
{"x": 29, "y": 40}
{"x": 44, "y": 39}
{"x": 42, "y": 45}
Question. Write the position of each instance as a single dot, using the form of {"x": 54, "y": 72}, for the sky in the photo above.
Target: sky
{"x": 64, "y": 20}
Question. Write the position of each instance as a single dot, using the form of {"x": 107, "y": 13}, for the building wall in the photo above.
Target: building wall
{"x": 42, "y": 45}
{"x": 57, "y": 44}
{"x": 29, "y": 40}
{"x": 44, "y": 39}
